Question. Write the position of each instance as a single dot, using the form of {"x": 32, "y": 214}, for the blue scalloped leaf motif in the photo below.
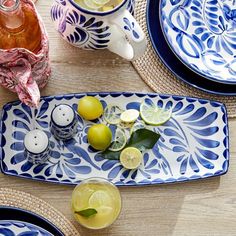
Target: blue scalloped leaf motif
{"x": 200, "y": 125}
{"x": 130, "y": 26}
{"x": 89, "y": 33}
{"x": 180, "y": 19}
{"x": 14, "y": 228}
{"x": 213, "y": 23}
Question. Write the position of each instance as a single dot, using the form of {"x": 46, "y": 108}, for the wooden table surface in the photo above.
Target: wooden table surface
{"x": 206, "y": 207}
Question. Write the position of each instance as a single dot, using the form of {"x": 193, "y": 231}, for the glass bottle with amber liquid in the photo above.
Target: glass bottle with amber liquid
{"x": 19, "y": 26}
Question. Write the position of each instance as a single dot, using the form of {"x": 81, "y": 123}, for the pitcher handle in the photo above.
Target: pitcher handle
{"x": 135, "y": 44}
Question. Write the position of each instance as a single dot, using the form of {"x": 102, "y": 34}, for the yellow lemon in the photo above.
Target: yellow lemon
{"x": 90, "y": 108}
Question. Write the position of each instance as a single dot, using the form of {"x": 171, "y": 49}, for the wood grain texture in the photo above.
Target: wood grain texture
{"x": 206, "y": 207}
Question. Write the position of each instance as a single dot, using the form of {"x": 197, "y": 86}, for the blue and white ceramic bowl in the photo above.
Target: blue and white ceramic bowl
{"x": 194, "y": 143}
{"x": 19, "y": 228}
{"x": 202, "y": 33}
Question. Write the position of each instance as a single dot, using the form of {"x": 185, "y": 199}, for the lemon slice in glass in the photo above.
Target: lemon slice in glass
{"x": 112, "y": 114}
{"x": 137, "y": 125}
{"x": 131, "y": 158}
{"x": 101, "y": 2}
{"x": 119, "y": 141}
{"x": 129, "y": 116}
{"x": 99, "y": 198}
{"x": 92, "y": 5}
{"x": 154, "y": 115}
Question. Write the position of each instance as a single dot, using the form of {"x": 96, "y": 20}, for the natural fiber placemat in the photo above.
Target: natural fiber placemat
{"x": 160, "y": 79}
{"x": 13, "y": 198}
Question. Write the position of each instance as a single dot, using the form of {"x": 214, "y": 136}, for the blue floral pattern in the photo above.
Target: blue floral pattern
{"x": 18, "y": 228}
{"x": 202, "y": 34}
{"x": 82, "y": 30}
{"x": 194, "y": 142}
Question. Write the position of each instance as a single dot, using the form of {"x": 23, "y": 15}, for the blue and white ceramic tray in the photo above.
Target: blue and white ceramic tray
{"x": 19, "y": 228}
{"x": 202, "y": 33}
{"x": 193, "y": 145}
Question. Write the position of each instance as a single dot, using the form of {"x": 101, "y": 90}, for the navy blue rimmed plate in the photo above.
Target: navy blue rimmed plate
{"x": 21, "y": 221}
{"x": 170, "y": 60}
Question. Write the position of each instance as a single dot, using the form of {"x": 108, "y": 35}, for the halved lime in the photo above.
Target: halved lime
{"x": 119, "y": 141}
{"x": 131, "y": 158}
{"x": 130, "y": 115}
{"x": 112, "y": 114}
{"x": 154, "y": 115}
{"x": 137, "y": 125}
{"x": 100, "y": 198}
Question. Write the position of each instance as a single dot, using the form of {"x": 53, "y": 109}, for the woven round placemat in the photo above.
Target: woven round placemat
{"x": 160, "y": 79}
{"x": 13, "y": 198}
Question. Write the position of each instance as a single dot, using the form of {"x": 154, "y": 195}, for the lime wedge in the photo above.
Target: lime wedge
{"x": 154, "y": 115}
{"x": 119, "y": 141}
{"x": 112, "y": 114}
{"x": 131, "y": 158}
{"x": 130, "y": 115}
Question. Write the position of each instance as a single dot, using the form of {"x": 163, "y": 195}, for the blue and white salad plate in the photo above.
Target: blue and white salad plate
{"x": 170, "y": 60}
{"x": 19, "y": 222}
{"x": 202, "y": 33}
{"x": 19, "y": 228}
{"x": 194, "y": 143}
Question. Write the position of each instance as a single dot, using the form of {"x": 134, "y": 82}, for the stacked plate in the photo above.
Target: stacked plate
{"x": 16, "y": 221}
{"x": 196, "y": 40}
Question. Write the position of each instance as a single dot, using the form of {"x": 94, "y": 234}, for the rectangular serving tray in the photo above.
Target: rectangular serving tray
{"x": 194, "y": 143}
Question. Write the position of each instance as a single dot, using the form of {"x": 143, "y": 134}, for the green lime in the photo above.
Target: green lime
{"x": 154, "y": 115}
{"x": 112, "y": 114}
{"x": 119, "y": 141}
{"x": 129, "y": 116}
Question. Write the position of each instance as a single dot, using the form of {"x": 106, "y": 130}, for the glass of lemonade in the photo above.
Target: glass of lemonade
{"x": 96, "y": 203}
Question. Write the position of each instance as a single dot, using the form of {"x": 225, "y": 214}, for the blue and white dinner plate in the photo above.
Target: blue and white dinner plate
{"x": 19, "y": 222}
{"x": 194, "y": 143}
{"x": 19, "y": 228}
{"x": 202, "y": 33}
{"x": 173, "y": 63}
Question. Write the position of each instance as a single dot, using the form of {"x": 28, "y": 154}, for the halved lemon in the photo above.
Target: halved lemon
{"x": 131, "y": 158}
{"x": 154, "y": 115}
{"x": 130, "y": 115}
{"x": 112, "y": 114}
{"x": 119, "y": 141}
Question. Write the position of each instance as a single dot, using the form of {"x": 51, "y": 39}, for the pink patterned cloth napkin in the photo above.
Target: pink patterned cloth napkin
{"x": 24, "y": 72}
